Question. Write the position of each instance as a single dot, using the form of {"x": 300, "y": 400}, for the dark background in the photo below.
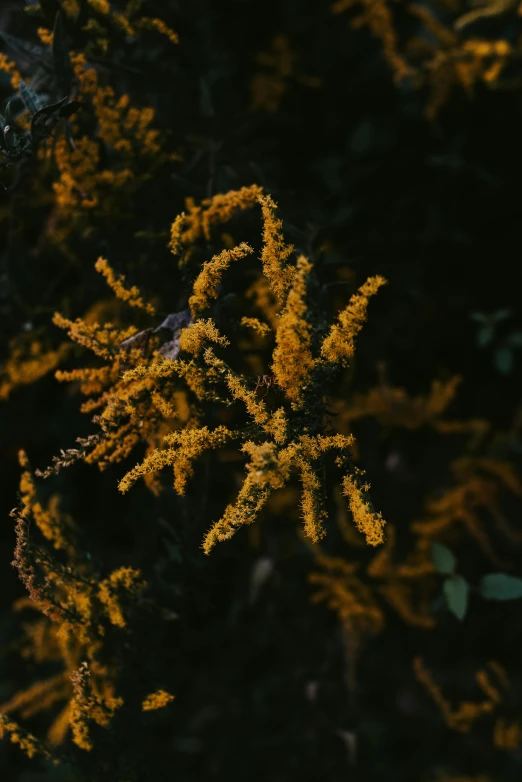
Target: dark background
{"x": 363, "y": 181}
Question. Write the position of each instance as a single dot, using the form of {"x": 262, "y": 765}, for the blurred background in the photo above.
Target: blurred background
{"x": 389, "y": 135}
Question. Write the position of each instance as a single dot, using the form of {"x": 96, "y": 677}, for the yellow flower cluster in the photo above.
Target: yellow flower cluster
{"x": 377, "y": 16}
{"x": 26, "y": 741}
{"x": 103, "y": 341}
{"x": 206, "y": 284}
{"x": 438, "y": 57}
{"x": 87, "y": 707}
{"x": 263, "y": 329}
{"x": 8, "y": 66}
{"x": 474, "y": 497}
{"x": 366, "y": 520}
{"x": 85, "y": 185}
{"x": 49, "y": 521}
{"x": 126, "y": 581}
{"x": 280, "y": 443}
{"x": 346, "y": 594}
{"x": 127, "y": 22}
{"x": 339, "y": 345}
{"x": 148, "y": 23}
{"x": 78, "y": 610}
{"x": 275, "y": 252}
{"x": 507, "y": 733}
{"x": 394, "y": 407}
{"x": 28, "y": 361}
{"x": 278, "y": 72}
{"x": 157, "y": 700}
{"x": 199, "y": 220}
{"x": 293, "y": 362}
{"x": 130, "y": 295}
{"x": 463, "y": 717}
{"x": 184, "y": 447}
{"x": 102, "y": 6}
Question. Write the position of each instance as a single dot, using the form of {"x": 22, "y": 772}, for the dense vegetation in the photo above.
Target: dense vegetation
{"x": 260, "y": 391}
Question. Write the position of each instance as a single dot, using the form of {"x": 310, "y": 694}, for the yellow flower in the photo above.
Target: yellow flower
{"x": 157, "y": 700}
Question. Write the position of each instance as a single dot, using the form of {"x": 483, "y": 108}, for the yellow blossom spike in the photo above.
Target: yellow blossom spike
{"x": 130, "y": 295}
{"x": 267, "y": 470}
{"x": 184, "y": 447}
{"x": 38, "y": 697}
{"x": 254, "y": 406}
{"x": 176, "y": 234}
{"x": 277, "y": 426}
{"x": 48, "y": 520}
{"x": 27, "y": 363}
{"x": 275, "y": 251}
{"x": 157, "y": 700}
{"x": 245, "y": 510}
{"x": 148, "y": 23}
{"x": 102, "y": 6}
{"x": 313, "y": 512}
{"x": 462, "y": 717}
{"x": 124, "y": 579}
{"x": 103, "y": 341}
{"x": 8, "y": 66}
{"x": 224, "y": 206}
{"x": 339, "y": 344}
{"x": 59, "y": 727}
{"x": 369, "y": 523}
{"x": 26, "y": 741}
{"x": 260, "y": 328}
{"x": 194, "y": 338}
{"x": 87, "y": 707}
{"x": 292, "y": 362}
{"x": 207, "y": 282}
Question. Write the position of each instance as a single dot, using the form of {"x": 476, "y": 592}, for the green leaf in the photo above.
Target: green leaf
{"x": 29, "y": 97}
{"x": 8, "y": 130}
{"x": 504, "y": 360}
{"x": 45, "y": 120}
{"x": 478, "y": 317}
{"x": 500, "y": 315}
{"x": 443, "y": 559}
{"x": 484, "y": 336}
{"x": 33, "y": 51}
{"x": 500, "y": 586}
{"x": 9, "y": 117}
{"x": 456, "y": 590}
{"x": 62, "y": 60}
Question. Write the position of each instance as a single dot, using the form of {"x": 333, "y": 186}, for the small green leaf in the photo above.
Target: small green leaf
{"x": 484, "y": 336}
{"x": 504, "y": 360}
{"x": 500, "y": 586}
{"x": 456, "y": 591}
{"x": 478, "y": 317}
{"x": 443, "y": 559}
{"x": 9, "y": 117}
{"x": 43, "y": 122}
{"x": 500, "y": 315}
